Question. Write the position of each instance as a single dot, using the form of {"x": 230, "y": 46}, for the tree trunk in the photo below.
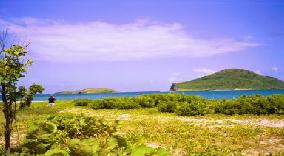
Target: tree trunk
{"x": 7, "y": 110}
{"x": 7, "y": 134}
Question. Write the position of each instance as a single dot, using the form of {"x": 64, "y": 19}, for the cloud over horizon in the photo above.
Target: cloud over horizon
{"x": 103, "y": 41}
{"x": 204, "y": 71}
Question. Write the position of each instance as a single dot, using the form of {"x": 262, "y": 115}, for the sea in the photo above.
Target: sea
{"x": 224, "y": 94}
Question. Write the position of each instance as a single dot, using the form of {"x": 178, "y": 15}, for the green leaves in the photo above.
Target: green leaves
{"x": 12, "y": 64}
{"x": 13, "y": 67}
{"x": 84, "y": 147}
{"x": 169, "y": 107}
{"x": 28, "y": 96}
{"x": 15, "y": 50}
{"x": 144, "y": 150}
{"x": 81, "y": 136}
{"x": 56, "y": 152}
{"x": 254, "y": 104}
{"x": 36, "y": 88}
{"x": 188, "y": 105}
{"x": 82, "y": 102}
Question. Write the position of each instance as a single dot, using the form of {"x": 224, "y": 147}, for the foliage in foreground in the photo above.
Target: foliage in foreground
{"x": 192, "y": 105}
{"x": 81, "y": 136}
{"x": 167, "y": 131}
{"x": 13, "y": 66}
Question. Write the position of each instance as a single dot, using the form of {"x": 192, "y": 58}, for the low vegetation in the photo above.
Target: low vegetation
{"x": 186, "y": 105}
{"x": 81, "y": 136}
{"x": 152, "y": 125}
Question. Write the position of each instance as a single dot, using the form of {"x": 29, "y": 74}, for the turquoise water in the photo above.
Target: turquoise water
{"x": 206, "y": 94}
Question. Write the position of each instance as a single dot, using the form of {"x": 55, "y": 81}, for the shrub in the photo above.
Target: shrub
{"x": 115, "y": 103}
{"x": 254, "y": 104}
{"x": 167, "y": 107}
{"x": 158, "y": 98}
{"x": 97, "y": 104}
{"x": 82, "y": 102}
{"x": 128, "y": 105}
{"x": 212, "y": 105}
{"x": 276, "y": 104}
{"x": 186, "y": 109}
{"x": 194, "y": 106}
{"x": 84, "y": 147}
{"x": 56, "y": 152}
{"x": 40, "y": 137}
{"x": 145, "y": 101}
{"x": 229, "y": 107}
{"x": 82, "y": 136}
{"x": 43, "y": 135}
{"x": 83, "y": 126}
{"x": 114, "y": 146}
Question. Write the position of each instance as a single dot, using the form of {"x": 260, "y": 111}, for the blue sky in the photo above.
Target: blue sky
{"x": 144, "y": 45}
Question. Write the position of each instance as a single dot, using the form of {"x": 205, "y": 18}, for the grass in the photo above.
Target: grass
{"x": 199, "y": 135}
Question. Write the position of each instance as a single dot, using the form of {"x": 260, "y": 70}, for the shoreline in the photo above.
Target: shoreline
{"x": 236, "y": 89}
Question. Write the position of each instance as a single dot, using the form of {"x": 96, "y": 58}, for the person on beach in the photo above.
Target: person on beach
{"x": 51, "y": 101}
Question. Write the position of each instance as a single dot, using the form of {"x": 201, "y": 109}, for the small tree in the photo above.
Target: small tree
{"x": 28, "y": 96}
{"x": 13, "y": 66}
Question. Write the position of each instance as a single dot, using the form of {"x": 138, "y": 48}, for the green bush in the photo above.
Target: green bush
{"x": 82, "y": 102}
{"x": 115, "y": 103}
{"x": 84, "y": 147}
{"x": 83, "y": 126}
{"x": 43, "y": 135}
{"x": 158, "y": 98}
{"x": 196, "y": 105}
{"x": 81, "y": 136}
{"x": 145, "y": 101}
{"x": 56, "y": 152}
{"x": 254, "y": 104}
{"x": 97, "y": 104}
{"x": 276, "y": 104}
{"x": 167, "y": 107}
{"x": 228, "y": 107}
{"x": 187, "y": 109}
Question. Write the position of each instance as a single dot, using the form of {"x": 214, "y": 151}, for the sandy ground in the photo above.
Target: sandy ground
{"x": 254, "y": 122}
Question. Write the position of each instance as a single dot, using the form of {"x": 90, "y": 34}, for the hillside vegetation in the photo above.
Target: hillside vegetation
{"x": 230, "y": 79}
{"x": 88, "y": 91}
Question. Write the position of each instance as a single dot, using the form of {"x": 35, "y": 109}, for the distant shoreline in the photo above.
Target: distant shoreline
{"x": 237, "y": 89}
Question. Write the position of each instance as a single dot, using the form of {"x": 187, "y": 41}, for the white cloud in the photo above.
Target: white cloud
{"x": 275, "y": 69}
{"x": 98, "y": 40}
{"x": 204, "y": 71}
{"x": 174, "y": 77}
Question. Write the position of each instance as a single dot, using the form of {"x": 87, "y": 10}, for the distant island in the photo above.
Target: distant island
{"x": 230, "y": 79}
{"x": 88, "y": 91}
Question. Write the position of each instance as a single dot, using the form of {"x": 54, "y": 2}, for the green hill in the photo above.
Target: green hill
{"x": 230, "y": 79}
{"x": 88, "y": 91}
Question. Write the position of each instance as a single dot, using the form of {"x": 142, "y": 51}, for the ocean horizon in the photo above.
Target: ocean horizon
{"x": 208, "y": 94}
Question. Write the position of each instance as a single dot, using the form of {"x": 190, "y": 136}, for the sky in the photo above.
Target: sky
{"x": 145, "y": 45}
